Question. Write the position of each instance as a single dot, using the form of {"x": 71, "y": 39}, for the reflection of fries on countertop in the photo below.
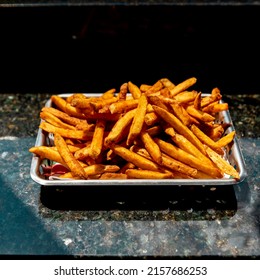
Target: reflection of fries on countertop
{"x": 162, "y": 131}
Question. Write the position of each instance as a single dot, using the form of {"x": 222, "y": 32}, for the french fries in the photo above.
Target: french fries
{"x": 161, "y": 131}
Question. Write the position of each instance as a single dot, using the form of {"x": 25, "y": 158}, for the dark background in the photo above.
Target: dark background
{"x": 92, "y": 49}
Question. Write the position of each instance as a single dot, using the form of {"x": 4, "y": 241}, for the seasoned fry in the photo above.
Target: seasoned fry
{"x": 179, "y": 127}
{"x": 225, "y": 140}
{"x": 222, "y": 164}
{"x": 206, "y": 140}
{"x": 182, "y": 86}
{"x": 152, "y": 148}
{"x": 68, "y": 157}
{"x": 119, "y": 127}
{"x": 136, "y": 159}
{"x": 134, "y": 90}
{"x": 187, "y": 158}
{"x": 55, "y": 121}
{"x": 138, "y": 120}
{"x": 74, "y": 134}
{"x": 45, "y": 152}
{"x": 123, "y": 106}
{"x": 94, "y": 169}
{"x": 97, "y": 140}
{"x": 147, "y": 174}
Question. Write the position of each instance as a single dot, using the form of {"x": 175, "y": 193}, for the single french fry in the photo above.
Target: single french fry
{"x": 151, "y": 118}
{"x": 123, "y": 106}
{"x": 206, "y": 140}
{"x": 66, "y": 107}
{"x": 123, "y": 92}
{"x": 68, "y": 133}
{"x": 183, "y": 86}
{"x": 185, "y": 96}
{"x": 214, "y": 96}
{"x": 187, "y": 158}
{"x": 187, "y": 146}
{"x": 176, "y": 165}
{"x": 108, "y": 94}
{"x": 225, "y": 140}
{"x": 94, "y": 169}
{"x": 154, "y": 88}
{"x": 97, "y": 140}
{"x": 200, "y": 115}
{"x": 78, "y": 123}
{"x": 45, "y": 152}
{"x": 119, "y": 127}
{"x": 147, "y": 174}
{"x": 136, "y": 159}
{"x": 181, "y": 113}
{"x": 113, "y": 176}
{"x": 179, "y": 127}
{"x": 152, "y": 148}
{"x": 55, "y": 121}
{"x": 167, "y": 83}
{"x": 215, "y": 108}
{"x": 138, "y": 120}
{"x": 197, "y": 102}
{"x": 222, "y": 164}
{"x": 68, "y": 157}
{"x": 98, "y": 104}
{"x": 134, "y": 90}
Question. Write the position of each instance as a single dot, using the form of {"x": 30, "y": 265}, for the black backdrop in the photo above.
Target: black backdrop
{"x": 92, "y": 49}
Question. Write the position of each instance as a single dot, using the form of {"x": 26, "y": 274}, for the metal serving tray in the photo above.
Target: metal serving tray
{"x": 233, "y": 154}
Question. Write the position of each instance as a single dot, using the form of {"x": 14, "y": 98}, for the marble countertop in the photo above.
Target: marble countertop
{"x": 174, "y": 222}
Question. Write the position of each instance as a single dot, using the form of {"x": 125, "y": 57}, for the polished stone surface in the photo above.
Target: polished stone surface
{"x": 173, "y": 222}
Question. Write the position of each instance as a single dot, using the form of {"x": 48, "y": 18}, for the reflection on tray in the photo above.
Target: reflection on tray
{"x": 139, "y": 203}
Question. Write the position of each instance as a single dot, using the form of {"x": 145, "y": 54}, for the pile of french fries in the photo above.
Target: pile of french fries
{"x": 159, "y": 131}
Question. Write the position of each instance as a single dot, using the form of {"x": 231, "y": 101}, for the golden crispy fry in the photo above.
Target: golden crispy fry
{"x": 152, "y": 148}
{"x": 123, "y": 92}
{"x": 102, "y": 103}
{"x": 134, "y": 90}
{"x": 138, "y": 120}
{"x": 144, "y": 87}
{"x": 73, "y": 164}
{"x": 97, "y": 140}
{"x": 185, "y": 96}
{"x": 178, "y": 166}
{"x": 128, "y": 165}
{"x": 179, "y": 127}
{"x": 147, "y": 174}
{"x": 214, "y": 96}
{"x": 119, "y": 127}
{"x": 94, "y": 169}
{"x": 45, "y": 152}
{"x": 123, "y": 106}
{"x": 55, "y": 121}
{"x": 188, "y": 159}
{"x": 151, "y": 118}
{"x": 183, "y": 86}
{"x": 187, "y": 146}
{"x": 68, "y": 133}
{"x": 136, "y": 159}
{"x": 197, "y": 102}
{"x": 108, "y": 94}
{"x": 78, "y": 123}
{"x": 206, "y": 140}
{"x": 222, "y": 164}
{"x": 167, "y": 83}
{"x": 75, "y": 95}
{"x": 181, "y": 113}
{"x": 154, "y": 88}
{"x": 215, "y": 108}
{"x": 225, "y": 140}
{"x": 155, "y": 100}
{"x": 200, "y": 115}
{"x": 113, "y": 176}
{"x": 66, "y": 107}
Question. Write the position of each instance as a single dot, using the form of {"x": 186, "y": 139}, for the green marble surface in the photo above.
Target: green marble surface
{"x": 173, "y": 222}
